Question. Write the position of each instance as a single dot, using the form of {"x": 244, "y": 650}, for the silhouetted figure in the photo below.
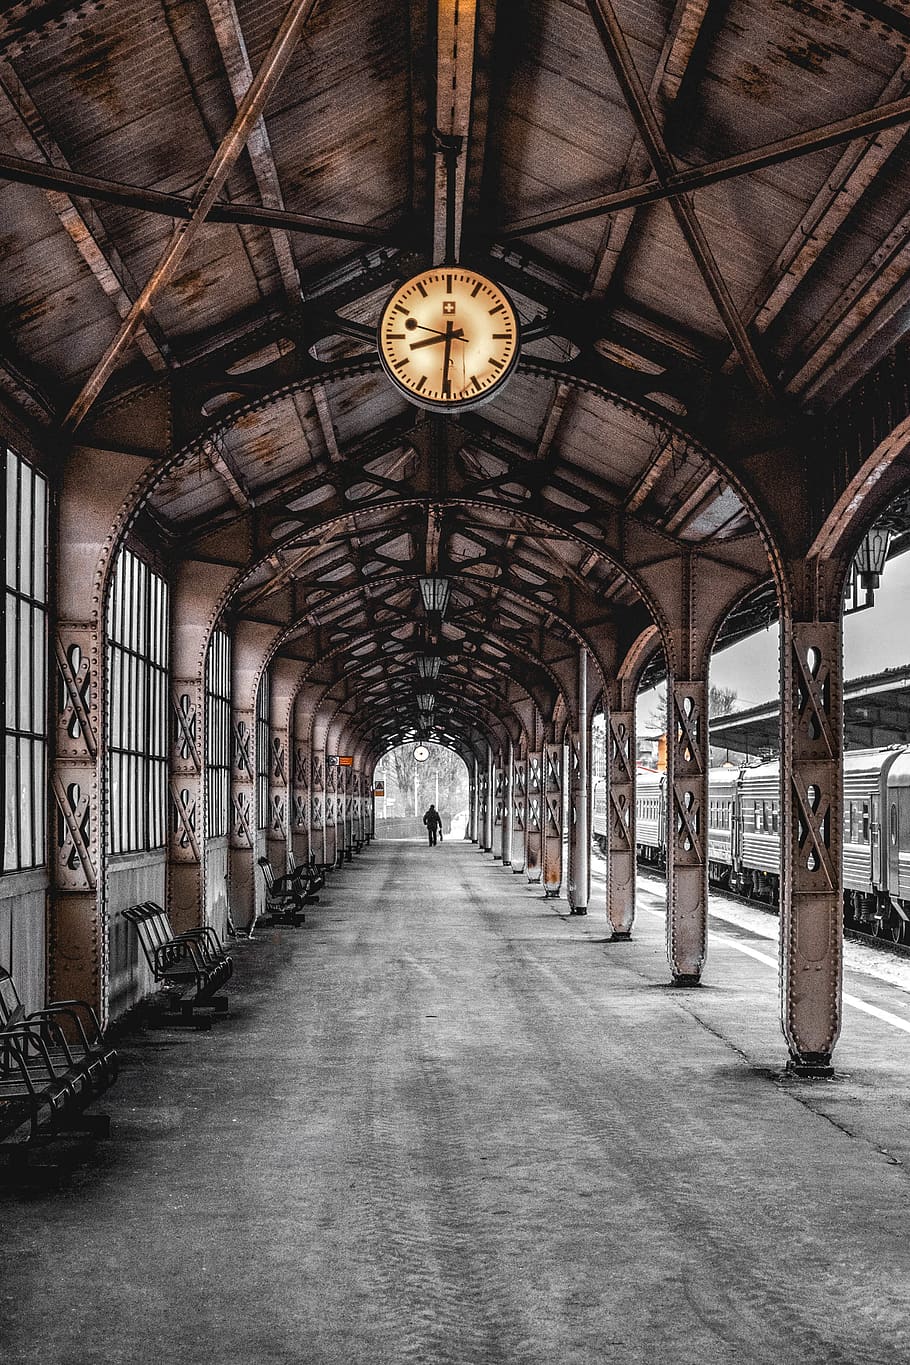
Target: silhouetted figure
{"x": 433, "y": 823}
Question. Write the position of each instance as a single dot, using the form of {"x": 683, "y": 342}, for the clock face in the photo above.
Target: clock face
{"x": 421, "y": 753}
{"x": 448, "y": 338}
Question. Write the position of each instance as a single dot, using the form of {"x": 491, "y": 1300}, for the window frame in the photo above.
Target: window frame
{"x": 24, "y": 636}
{"x": 218, "y": 735}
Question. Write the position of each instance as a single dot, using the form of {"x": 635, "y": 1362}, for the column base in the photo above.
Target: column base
{"x": 811, "y": 1068}
{"x": 580, "y": 911}
{"x": 533, "y": 881}
{"x": 621, "y": 935}
{"x": 518, "y": 871}
{"x": 687, "y": 979}
{"x": 551, "y": 893}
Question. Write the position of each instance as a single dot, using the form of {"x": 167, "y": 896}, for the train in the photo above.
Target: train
{"x": 744, "y": 834}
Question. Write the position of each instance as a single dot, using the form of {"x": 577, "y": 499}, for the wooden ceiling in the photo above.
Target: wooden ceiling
{"x": 698, "y": 209}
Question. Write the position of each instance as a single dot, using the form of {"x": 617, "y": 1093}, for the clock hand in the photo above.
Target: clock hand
{"x": 447, "y": 359}
{"x": 440, "y": 336}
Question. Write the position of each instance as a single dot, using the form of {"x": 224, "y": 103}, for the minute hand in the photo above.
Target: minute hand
{"x": 437, "y": 340}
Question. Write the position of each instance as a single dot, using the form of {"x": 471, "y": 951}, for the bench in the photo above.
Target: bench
{"x": 284, "y": 902}
{"x": 54, "y": 1062}
{"x": 192, "y": 961}
{"x": 309, "y": 875}
{"x": 69, "y": 1031}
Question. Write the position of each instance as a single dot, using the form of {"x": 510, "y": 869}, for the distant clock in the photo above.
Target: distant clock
{"x": 421, "y": 753}
{"x": 449, "y": 338}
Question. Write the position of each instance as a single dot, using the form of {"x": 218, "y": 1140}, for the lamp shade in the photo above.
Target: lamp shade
{"x": 425, "y": 701}
{"x": 428, "y": 667}
{"x": 435, "y": 593}
{"x": 872, "y": 554}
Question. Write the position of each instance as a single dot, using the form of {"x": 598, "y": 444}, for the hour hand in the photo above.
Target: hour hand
{"x": 438, "y": 338}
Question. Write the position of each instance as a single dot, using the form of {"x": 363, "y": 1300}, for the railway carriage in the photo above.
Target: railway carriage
{"x": 744, "y": 833}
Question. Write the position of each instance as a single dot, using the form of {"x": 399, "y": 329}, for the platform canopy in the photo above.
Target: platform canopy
{"x": 700, "y": 213}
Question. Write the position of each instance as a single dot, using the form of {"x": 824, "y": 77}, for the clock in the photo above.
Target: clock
{"x": 421, "y": 753}
{"x": 449, "y": 338}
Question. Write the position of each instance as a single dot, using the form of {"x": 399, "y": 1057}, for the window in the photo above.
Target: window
{"x": 24, "y": 664}
{"x": 137, "y": 671}
{"x": 218, "y": 735}
{"x": 262, "y": 752}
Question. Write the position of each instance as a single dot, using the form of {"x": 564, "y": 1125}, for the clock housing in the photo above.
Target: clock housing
{"x": 449, "y": 338}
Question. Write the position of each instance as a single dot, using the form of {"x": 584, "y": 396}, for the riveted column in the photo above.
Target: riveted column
{"x": 580, "y": 801}
{"x": 78, "y": 957}
{"x": 277, "y": 835}
{"x": 489, "y": 799}
{"x": 185, "y": 792}
{"x": 687, "y": 807}
{"x": 300, "y": 804}
{"x": 534, "y": 844}
{"x": 812, "y": 826}
{"x": 552, "y": 819}
{"x": 519, "y": 804}
{"x": 620, "y": 808}
{"x": 470, "y": 824}
{"x": 243, "y": 834}
{"x": 330, "y": 808}
{"x": 498, "y": 838}
{"x": 508, "y": 814}
{"x": 318, "y": 844}
{"x": 356, "y": 811}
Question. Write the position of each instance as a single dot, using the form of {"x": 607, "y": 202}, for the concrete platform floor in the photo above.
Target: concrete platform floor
{"x": 447, "y": 1123}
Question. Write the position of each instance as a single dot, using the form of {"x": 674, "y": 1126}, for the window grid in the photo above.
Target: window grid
{"x": 262, "y": 752}
{"x": 24, "y": 645}
{"x": 137, "y": 658}
{"x": 218, "y": 735}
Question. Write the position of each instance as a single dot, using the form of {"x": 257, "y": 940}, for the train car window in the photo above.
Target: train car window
{"x": 892, "y": 825}
{"x": 775, "y": 820}
{"x": 865, "y": 822}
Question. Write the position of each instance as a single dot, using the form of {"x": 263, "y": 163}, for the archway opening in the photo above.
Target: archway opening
{"x": 410, "y": 784}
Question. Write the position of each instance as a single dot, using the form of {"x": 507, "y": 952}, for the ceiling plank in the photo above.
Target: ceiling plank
{"x": 185, "y": 234}
{"x": 30, "y": 136}
{"x": 685, "y": 181}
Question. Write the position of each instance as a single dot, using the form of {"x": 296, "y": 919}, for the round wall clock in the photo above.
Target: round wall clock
{"x": 421, "y": 753}
{"x": 449, "y": 338}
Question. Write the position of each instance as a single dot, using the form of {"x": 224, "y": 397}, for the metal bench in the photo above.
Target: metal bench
{"x": 193, "y": 961}
{"x": 308, "y": 876}
{"x": 45, "y": 1090}
{"x": 283, "y": 903}
{"x": 69, "y": 1031}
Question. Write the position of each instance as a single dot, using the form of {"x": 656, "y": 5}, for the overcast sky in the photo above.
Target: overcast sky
{"x": 873, "y": 640}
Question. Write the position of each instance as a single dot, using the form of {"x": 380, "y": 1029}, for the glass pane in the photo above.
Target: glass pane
{"x": 12, "y": 662}
{"x": 40, "y": 810}
{"x": 38, "y": 672}
{"x": 25, "y": 527}
{"x": 10, "y": 812}
{"x": 12, "y": 506}
{"x": 40, "y": 583}
{"x": 25, "y": 802}
{"x": 23, "y": 719}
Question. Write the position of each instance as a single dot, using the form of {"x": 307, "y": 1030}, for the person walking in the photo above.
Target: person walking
{"x": 433, "y": 823}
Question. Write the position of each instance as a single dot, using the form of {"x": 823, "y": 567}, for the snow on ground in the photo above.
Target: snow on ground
{"x": 857, "y": 957}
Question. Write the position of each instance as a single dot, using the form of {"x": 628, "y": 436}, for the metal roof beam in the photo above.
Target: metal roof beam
{"x": 184, "y": 234}
{"x": 230, "y": 39}
{"x": 455, "y": 23}
{"x": 624, "y": 69}
{"x": 681, "y": 182}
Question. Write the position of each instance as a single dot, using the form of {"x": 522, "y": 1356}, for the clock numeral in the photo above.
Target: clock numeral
{"x": 422, "y": 290}
{"x": 493, "y": 361}
{"x": 395, "y": 336}
{"x": 448, "y": 284}
{"x": 423, "y": 380}
{"x": 498, "y": 309}
{"x": 400, "y": 364}
{"x": 475, "y": 382}
{"x": 502, "y": 336}
{"x": 400, "y": 308}
{"x": 476, "y": 290}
